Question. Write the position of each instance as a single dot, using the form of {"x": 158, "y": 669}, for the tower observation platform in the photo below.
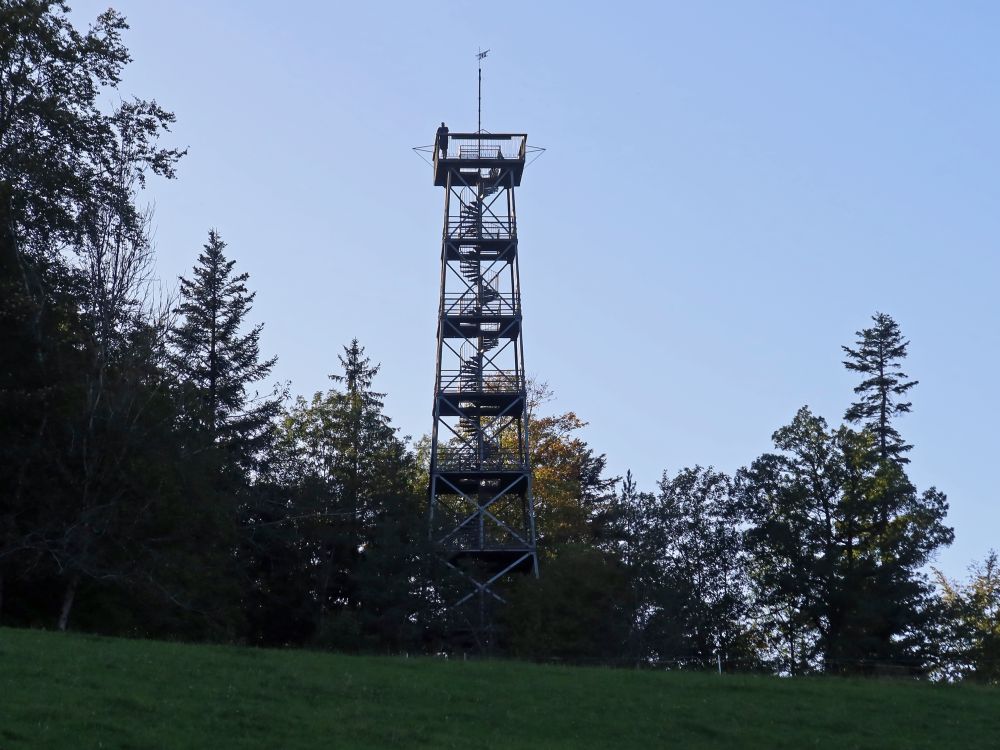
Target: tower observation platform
{"x": 481, "y": 513}
{"x": 472, "y": 152}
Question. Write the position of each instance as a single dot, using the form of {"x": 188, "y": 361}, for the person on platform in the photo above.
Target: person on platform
{"x": 442, "y": 140}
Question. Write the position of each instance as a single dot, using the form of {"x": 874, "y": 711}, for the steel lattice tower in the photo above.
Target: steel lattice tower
{"x": 481, "y": 511}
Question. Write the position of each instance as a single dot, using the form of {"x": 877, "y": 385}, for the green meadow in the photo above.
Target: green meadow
{"x": 78, "y": 691}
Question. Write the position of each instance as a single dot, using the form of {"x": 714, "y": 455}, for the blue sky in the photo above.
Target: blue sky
{"x": 730, "y": 190}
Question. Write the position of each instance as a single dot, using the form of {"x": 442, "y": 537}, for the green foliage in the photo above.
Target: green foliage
{"x": 216, "y": 362}
{"x": 577, "y": 611}
{"x": 686, "y": 565}
{"x": 56, "y": 142}
{"x": 969, "y": 638}
{"x": 838, "y": 537}
{"x": 568, "y": 482}
{"x": 355, "y": 540}
{"x": 878, "y": 358}
{"x": 83, "y": 389}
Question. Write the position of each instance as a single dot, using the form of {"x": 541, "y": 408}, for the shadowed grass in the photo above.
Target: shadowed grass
{"x": 74, "y": 691}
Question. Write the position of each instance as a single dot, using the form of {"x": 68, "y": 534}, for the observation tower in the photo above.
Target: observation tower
{"x": 481, "y": 516}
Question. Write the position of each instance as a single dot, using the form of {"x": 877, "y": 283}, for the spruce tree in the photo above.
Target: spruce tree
{"x": 360, "y": 524}
{"x": 215, "y": 362}
{"x": 878, "y": 357}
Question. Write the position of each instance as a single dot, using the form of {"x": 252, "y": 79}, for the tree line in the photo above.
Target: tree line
{"x": 152, "y": 485}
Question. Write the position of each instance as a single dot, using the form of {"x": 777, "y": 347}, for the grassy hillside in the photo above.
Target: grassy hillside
{"x": 73, "y": 691}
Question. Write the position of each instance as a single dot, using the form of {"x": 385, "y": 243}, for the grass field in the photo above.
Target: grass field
{"x": 74, "y": 692}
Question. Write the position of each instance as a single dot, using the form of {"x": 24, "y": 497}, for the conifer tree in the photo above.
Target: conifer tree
{"x": 878, "y": 357}
{"x": 216, "y": 362}
{"x": 359, "y": 523}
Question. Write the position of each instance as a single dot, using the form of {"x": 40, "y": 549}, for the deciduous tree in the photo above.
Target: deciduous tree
{"x": 569, "y": 485}
{"x": 683, "y": 554}
{"x": 838, "y": 538}
{"x": 969, "y": 638}
{"x": 56, "y": 140}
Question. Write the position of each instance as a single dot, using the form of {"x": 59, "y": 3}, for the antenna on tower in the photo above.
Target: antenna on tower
{"x": 479, "y": 113}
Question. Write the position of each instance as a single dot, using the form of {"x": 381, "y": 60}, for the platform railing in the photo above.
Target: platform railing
{"x": 460, "y": 228}
{"x": 494, "y": 381}
{"x": 469, "y": 460}
{"x": 471, "y": 304}
{"x": 469, "y": 537}
{"x": 484, "y": 147}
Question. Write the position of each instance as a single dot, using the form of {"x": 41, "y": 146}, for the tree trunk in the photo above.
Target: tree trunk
{"x": 791, "y": 651}
{"x": 883, "y": 420}
{"x": 324, "y": 591}
{"x": 68, "y": 598}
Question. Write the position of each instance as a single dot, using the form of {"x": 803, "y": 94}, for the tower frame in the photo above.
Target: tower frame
{"x": 481, "y": 512}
